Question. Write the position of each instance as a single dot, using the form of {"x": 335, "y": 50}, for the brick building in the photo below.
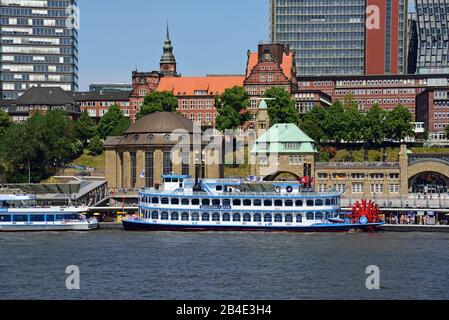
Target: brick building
{"x": 98, "y": 103}
{"x": 434, "y": 111}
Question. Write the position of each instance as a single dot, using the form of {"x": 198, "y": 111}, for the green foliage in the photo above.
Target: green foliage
{"x": 282, "y": 109}
{"x": 121, "y": 127}
{"x": 110, "y": 121}
{"x": 375, "y": 124}
{"x": 344, "y": 122}
{"x": 95, "y": 146}
{"x": 398, "y": 124}
{"x": 4, "y": 122}
{"x": 43, "y": 143}
{"x": 157, "y": 101}
{"x": 309, "y": 124}
{"x": 232, "y": 107}
{"x": 85, "y": 128}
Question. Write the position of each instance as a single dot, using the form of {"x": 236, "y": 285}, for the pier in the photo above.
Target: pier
{"x": 414, "y": 228}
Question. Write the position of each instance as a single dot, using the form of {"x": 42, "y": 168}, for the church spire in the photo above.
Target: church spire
{"x": 168, "y": 61}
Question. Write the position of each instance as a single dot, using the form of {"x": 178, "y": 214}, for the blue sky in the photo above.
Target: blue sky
{"x": 209, "y": 36}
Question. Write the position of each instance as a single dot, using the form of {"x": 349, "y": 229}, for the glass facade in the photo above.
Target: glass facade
{"x": 38, "y": 45}
{"x": 433, "y": 21}
{"x": 328, "y": 35}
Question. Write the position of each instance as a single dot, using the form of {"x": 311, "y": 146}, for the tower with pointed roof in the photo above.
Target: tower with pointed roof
{"x": 168, "y": 61}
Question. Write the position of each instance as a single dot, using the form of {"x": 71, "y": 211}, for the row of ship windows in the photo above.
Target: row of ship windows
{"x": 237, "y": 217}
{"x": 240, "y": 202}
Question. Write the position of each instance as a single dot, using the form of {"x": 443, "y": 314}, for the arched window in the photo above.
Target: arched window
{"x": 174, "y": 216}
{"x": 154, "y": 215}
{"x": 226, "y": 217}
{"x": 195, "y": 216}
{"x": 328, "y": 202}
{"x": 268, "y": 217}
{"x": 185, "y": 216}
{"x": 205, "y": 202}
{"x": 298, "y": 203}
{"x": 164, "y": 215}
{"x": 310, "y": 203}
{"x": 155, "y": 200}
{"x": 309, "y": 215}
{"x": 205, "y": 217}
{"x": 219, "y": 188}
{"x": 237, "y": 202}
{"x": 247, "y": 202}
{"x": 278, "y": 203}
{"x": 236, "y": 217}
{"x": 267, "y": 203}
{"x": 164, "y": 201}
{"x": 215, "y": 216}
{"x": 175, "y": 201}
{"x": 299, "y": 218}
{"x": 257, "y": 217}
{"x": 278, "y": 218}
{"x": 289, "y": 203}
{"x": 195, "y": 202}
{"x": 288, "y": 218}
{"x": 318, "y": 216}
{"x": 185, "y": 202}
{"x": 247, "y": 217}
{"x": 227, "y": 202}
{"x": 319, "y": 202}
{"x": 257, "y": 202}
{"x": 216, "y": 202}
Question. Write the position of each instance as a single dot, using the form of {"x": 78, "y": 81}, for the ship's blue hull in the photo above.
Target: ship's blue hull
{"x": 343, "y": 227}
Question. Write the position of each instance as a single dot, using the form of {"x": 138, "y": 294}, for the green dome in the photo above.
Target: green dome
{"x": 263, "y": 105}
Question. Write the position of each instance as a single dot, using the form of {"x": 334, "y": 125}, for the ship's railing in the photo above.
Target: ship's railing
{"x": 243, "y": 194}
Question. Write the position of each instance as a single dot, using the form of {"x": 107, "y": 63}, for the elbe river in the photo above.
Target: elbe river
{"x": 162, "y": 265}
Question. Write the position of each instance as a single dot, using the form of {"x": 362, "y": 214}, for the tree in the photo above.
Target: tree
{"x": 282, "y": 109}
{"x": 232, "y": 107}
{"x": 157, "y": 101}
{"x": 121, "y": 127}
{"x": 355, "y": 123}
{"x": 95, "y": 146}
{"x": 4, "y": 122}
{"x": 35, "y": 149}
{"x": 375, "y": 125}
{"x": 110, "y": 120}
{"x": 85, "y": 128}
{"x": 335, "y": 123}
{"x": 312, "y": 124}
{"x": 399, "y": 124}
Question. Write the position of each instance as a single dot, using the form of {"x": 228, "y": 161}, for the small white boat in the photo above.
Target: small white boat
{"x": 18, "y": 213}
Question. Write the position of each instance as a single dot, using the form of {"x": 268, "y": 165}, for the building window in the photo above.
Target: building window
{"x": 167, "y": 163}
{"x": 357, "y": 188}
{"x": 394, "y": 188}
{"x": 133, "y": 169}
{"x": 185, "y": 163}
{"x": 149, "y": 169}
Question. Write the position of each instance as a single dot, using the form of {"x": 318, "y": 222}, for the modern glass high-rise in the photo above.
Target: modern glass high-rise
{"x": 331, "y": 36}
{"x": 38, "y": 45}
{"x": 433, "y": 37}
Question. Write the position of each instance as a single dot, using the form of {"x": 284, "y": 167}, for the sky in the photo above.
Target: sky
{"x": 209, "y": 36}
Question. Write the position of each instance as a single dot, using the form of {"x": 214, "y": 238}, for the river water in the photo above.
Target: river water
{"x": 121, "y": 265}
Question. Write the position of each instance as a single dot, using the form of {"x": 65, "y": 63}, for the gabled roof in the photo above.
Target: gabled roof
{"x": 284, "y": 138}
{"x": 286, "y": 65}
{"x": 186, "y": 86}
{"x": 45, "y": 96}
{"x": 102, "y": 96}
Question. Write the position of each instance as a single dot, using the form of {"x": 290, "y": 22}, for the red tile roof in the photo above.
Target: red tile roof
{"x": 186, "y": 86}
{"x": 287, "y": 61}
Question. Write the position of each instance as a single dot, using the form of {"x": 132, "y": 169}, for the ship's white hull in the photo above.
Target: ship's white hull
{"x": 37, "y": 227}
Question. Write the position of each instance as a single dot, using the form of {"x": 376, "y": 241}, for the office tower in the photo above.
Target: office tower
{"x": 39, "y": 45}
{"x": 433, "y": 51}
{"x": 332, "y": 37}
{"x": 412, "y": 43}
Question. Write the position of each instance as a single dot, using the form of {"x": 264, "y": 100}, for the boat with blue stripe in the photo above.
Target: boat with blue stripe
{"x": 186, "y": 204}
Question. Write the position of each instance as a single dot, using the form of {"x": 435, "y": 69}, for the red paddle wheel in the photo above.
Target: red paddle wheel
{"x": 365, "y": 212}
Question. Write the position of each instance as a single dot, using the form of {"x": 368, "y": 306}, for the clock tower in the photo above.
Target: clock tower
{"x": 168, "y": 61}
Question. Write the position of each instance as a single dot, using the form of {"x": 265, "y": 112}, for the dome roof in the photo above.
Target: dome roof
{"x": 161, "y": 122}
